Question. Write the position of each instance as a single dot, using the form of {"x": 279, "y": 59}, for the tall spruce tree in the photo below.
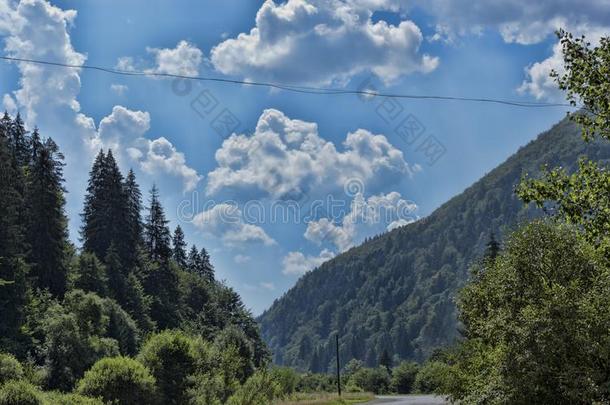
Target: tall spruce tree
{"x": 134, "y": 217}
{"x": 93, "y": 231}
{"x": 13, "y": 270}
{"x": 179, "y": 248}
{"x": 194, "y": 264}
{"x": 157, "y": 233}
{"x": 207, "y": 270}
{"x": 117, "y": 209}
{"x": 47, "y": 234}
{"x": 106, "y": 210}
{"x": 11, "y": 198}
{"x": 19, "y": 142}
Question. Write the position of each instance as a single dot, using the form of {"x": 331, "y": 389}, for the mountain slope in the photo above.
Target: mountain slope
{"x": 396, "y": 292}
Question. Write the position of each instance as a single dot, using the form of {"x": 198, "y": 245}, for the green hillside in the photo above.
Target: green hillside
{"x": 396, "y": 291}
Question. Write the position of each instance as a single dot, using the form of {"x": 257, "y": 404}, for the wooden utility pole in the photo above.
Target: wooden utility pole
{"x": 338, "y": 367}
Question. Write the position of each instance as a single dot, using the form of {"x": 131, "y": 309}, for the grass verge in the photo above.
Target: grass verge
{"x": 327, "y": 399}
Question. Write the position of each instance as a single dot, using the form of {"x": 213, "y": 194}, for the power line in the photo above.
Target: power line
{"x": 293, "y": 88}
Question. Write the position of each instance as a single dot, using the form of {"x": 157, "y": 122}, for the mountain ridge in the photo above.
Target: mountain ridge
{"x": 395, "y": 292}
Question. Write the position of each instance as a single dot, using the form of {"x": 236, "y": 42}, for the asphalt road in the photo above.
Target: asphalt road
{"x": 409, "y": 400}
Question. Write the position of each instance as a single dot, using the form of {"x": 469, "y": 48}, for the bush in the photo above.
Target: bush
{"x": 119, "y": 380}
{"x": 170, "y": 358}
{"x": 316, "y": 383}
{"x": 287, "y": 379}
{"x": 375, "y": 380}
{"x": 260, "y": 389}
{"x": 57, "y": 398}
{"x": 10, "y": 368}
{"x": 233, "y": 337}
{"x": 20, "y": 392}
{"x": 208, "y": 389}
{"x": 403, "y": 377}
{"x": 432, "y": 378}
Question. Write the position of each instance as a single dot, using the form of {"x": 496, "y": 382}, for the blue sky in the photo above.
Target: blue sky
{"x": 287, "y": 145}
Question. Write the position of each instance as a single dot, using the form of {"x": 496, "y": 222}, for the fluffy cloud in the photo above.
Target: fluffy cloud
{"x": 185, "y": 59}
{"x": 47, "y": 96}
{"x": 287, "y": 158}
{"x": 296, "y": 263}
{"x": 519, "y": 21}
{"x": 6, "y": 17}
{"x": 318, "y": 41}
{"x": 367, "y": 217}
{"x": 162, "y": 157}
{"x": 124, "y": 129}
{"x": 225, "y": 221}
{"x": 45, "y": 93}
{"x": 539, "y": 82}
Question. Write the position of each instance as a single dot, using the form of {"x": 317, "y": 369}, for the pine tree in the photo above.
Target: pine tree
{"x": 194, "y": 264}
{"x": 93, "y": 231}
{"x": 157, "y": 233}
{"x": 19, "y": 142}
{"x": 11, "y": 198}
{"x": 90, "y": 275}
{"x": 134, "y": 217}
{"x": 105, "y": 215}
{"x": 117, "y": 210}
{"x": 207, "y": 270}
{"x": 117, "y": 279}
{"x": 179, "y": 252}
{"x": 13, "y": 269}
{"x": 46, "y": 220}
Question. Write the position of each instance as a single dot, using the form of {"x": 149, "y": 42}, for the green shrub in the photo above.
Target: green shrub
{"x": 403, "y": 377}
{"x": 315, "y": 382}
{"x": 432, "y": 377}
{"x": 58, "y": 398}
{"x": 171, "y": 359}
{"x": 233, "y": 337}
{"x": 10, "y": 368}
{"x": 120, "y": 380}
{"x": 260, "y": 389}
{"x": 375, "y": 380}
{"x": 20, "y": 392}
{"x": 287, "y": 379}
{"x": 208, "y": 389}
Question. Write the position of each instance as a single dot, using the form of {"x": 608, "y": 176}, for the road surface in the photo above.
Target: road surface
{"x": 409, "y": 400}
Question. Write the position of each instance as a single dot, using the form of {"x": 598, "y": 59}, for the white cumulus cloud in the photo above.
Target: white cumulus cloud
{"x": 287, "y": 157}
{"x": 320, "y": 41}
{"x": 296, "y": 263}
{"x": 225, "y": 221}
{"x": 185, "y": 59}
{"x": 519, "y": 21}
{"x": 47, "y": 96}
{"x": 367, "y": 217}
{"x": 124, "y": 130}
{"x": 538, "y": 82}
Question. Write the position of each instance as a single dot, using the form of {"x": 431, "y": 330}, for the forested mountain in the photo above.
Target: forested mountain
{"x": 63, "y": 309}
{"x": 395, "y": 293}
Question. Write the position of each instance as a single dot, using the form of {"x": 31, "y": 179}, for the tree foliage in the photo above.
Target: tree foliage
{"x": 120, "y": 381}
